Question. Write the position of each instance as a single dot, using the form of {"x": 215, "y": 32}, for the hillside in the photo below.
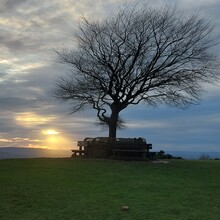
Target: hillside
{"x": 14, "y": 152}
{"x": 89, "y": 189}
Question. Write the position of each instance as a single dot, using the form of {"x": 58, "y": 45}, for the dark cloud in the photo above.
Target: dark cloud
{"x": 15, "y": 45}
{"x": 2, "y": 74}
{"x": 8, "y": 5}
{"x": 12, "y": 104}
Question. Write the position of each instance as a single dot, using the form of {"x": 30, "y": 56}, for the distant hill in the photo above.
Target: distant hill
{"x": 14, "y": 152}
{"x": 193, "y": 155}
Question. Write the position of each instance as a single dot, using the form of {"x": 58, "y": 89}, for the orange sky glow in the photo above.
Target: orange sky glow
{"x": 49, "y": 138}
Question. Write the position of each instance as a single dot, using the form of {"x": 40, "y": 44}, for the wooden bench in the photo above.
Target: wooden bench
{"x": 78, "y": 153}
{"x": 131, "y": 151}
{"x": 103, "y": 147}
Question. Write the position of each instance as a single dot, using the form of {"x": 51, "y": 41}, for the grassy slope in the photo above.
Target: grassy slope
{"x": 96, "y": 189}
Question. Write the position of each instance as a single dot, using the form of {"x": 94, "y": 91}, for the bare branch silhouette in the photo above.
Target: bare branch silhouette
{"x": 138, "y": 55}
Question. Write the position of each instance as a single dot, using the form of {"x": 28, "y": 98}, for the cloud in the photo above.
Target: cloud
{"x": 30, "y": 30}
{"x": 9, "y": 5}
{"x": 5, "y": 140}
{"x": 146, "y": 124}
{"x": 198, "y": 3}
{"x": 31, "y": 119}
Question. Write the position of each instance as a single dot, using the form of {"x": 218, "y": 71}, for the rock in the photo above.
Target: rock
{"x": 124, "y": 208}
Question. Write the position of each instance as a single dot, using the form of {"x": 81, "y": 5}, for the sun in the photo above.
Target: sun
{"x": 55, "y": 139}
{"x": 50, "y": 132}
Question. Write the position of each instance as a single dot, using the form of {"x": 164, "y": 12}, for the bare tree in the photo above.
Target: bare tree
{"x": 138, "y": 55}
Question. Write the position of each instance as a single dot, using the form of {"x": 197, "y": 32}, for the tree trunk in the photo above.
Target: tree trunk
{"x": 113, "y": 121}
{"x": 112, "y": 130}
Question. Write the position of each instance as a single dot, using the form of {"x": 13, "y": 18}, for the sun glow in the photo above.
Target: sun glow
{"x": 50, "y": 138}
{"x": 50, "y": 132}
{"x": 30, "y": 119}
{"x": 55, "y": 139}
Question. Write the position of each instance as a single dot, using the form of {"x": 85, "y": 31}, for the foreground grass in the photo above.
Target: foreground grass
{"x": 87, "y": 189}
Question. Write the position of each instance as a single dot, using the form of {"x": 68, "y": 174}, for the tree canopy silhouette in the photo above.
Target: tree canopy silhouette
{"x": 137, "y": 55}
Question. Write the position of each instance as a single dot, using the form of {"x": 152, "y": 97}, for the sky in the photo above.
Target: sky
{"x": 30, "y": 31}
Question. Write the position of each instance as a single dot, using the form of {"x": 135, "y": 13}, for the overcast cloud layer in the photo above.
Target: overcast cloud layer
{"x": 29, "y": 32}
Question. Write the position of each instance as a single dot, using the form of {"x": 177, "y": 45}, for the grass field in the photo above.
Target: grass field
{"x": 84, "y": 189}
